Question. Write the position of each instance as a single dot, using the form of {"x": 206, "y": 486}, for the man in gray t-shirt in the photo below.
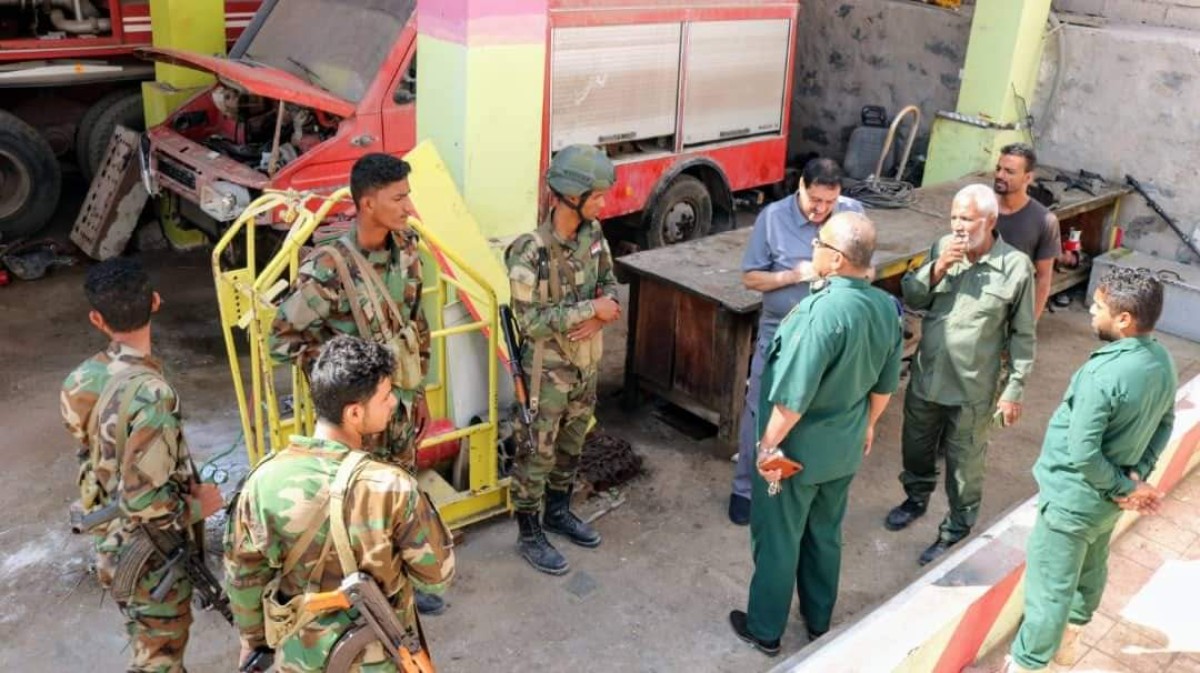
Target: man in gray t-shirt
{"x": 778, "y": 263}
{"x": 1024, "y": 223}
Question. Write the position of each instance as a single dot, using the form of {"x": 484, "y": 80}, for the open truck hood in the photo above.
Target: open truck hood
{"x": 262, "y": 80}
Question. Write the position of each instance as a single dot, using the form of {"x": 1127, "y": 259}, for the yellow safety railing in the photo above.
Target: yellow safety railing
{"x": 246, "y": 298}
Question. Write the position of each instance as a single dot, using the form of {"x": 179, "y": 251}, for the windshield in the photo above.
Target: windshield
{"x": 337, "y": 45}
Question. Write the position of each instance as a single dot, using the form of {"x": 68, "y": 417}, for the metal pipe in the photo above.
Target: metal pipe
{"x": 79, "y": 26}
{"x": 891, "y": 138}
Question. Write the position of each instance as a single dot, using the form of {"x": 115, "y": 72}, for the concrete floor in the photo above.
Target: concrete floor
{"x": 653, "y": 597}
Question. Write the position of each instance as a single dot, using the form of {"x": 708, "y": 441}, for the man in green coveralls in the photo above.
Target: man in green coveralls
{"x": 977, "y": 294}
{"x": 830, "y": 371}
{"x": 1103, "y": 440}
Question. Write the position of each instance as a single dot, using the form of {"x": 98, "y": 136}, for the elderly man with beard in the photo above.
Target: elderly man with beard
{"x": 977, "y": 294}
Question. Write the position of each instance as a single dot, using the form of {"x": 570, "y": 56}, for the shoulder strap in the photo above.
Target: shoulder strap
{"x": 343, "y": 271}
{"x": 126, "y": 382}
{"x": 311, "y": 526}
{"x": 337, "y": 510}
{"x": 604, "y": 266}
{"x": 368, "y": 272}
{"x": 549, "y": 290}
{"x": 548, "y": 248}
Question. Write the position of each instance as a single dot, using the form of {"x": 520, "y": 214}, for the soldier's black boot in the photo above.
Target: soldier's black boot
{"x": 559, "y": 519}
{"x": 429, "y": 604}
{"x": 535, "y": 548}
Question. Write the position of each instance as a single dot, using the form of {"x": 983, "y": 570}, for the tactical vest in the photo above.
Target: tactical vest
{"x": 405, "y": 342}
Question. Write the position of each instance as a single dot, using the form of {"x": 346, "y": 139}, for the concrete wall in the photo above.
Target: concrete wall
{"x": 852, "y": 53}
{"x": 1127, "y": 102}
{"x": 1171, "y": 13}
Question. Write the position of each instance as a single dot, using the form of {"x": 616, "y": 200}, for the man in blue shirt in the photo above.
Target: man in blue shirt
{"x": 778, "y": 263}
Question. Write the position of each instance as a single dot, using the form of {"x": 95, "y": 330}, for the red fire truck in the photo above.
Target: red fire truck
{"x": 68, "y": 76}
{"x": 689, "y": 98}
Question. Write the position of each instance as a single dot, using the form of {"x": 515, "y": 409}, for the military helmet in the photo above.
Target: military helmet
{"x": 579, "y": 169}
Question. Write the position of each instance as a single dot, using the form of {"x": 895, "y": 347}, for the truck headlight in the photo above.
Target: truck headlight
{"x": 224, "y": 201}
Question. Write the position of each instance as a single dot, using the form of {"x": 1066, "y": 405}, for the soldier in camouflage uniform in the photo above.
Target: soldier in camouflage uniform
{"x": 152, "y": 476}
{"x": 395, "y": 533}
{"x": 381, "y": 250}
{"x": 563, "y": 294}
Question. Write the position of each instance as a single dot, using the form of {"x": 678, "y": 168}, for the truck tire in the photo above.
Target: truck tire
{"x": 30, "y": 179}
{"x": 682, "y": 213}
{"x": 123, "y": 107}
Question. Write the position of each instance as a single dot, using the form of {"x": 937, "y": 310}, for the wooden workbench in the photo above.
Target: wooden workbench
{"x": 691, "y": 321}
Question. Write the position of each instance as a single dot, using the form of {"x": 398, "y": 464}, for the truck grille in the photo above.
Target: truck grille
{"x": 176, "y": 171}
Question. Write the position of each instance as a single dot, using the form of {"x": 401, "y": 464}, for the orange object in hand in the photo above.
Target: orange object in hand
{"x": 781, "y": 463}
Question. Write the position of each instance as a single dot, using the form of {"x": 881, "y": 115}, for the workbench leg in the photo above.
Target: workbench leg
{"x": 631, "y": 397}
{"x": 733, "y": 342}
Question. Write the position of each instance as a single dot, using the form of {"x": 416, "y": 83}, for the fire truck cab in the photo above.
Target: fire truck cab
{"x": 689, "y": 99}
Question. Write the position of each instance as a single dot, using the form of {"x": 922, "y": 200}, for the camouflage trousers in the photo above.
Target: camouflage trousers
{"x": 397, "y": 443}
{"x": 565, "y": 407}
{"x": 158, "y": 631}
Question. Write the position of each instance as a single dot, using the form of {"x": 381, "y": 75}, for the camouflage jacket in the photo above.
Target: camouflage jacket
{"x": 318, "y": 307}
{"x": 591, "y": 270}
{"x": 154, "y": 475}
{"x": 395, "y": 532}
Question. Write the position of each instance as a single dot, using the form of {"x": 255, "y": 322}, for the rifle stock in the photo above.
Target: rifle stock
{"x": 176, "y": 550}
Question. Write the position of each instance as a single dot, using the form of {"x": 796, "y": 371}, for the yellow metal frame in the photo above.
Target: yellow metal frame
{"x": 245, "y": 297}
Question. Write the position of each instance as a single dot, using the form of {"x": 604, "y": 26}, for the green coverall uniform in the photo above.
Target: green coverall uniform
{"x": 831, "y": 352}
{"x": 973, "y": 315}
{"x": 1114, "y": 420}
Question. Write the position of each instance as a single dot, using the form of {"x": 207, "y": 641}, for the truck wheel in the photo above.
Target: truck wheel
{"x": 683, "y": 213}
{"x": 30, "y": 179}
{"x": 122, "y": 107}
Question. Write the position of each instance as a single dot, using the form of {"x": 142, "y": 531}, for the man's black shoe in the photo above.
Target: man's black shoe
{"x": 813, "y": 635}
{"x": 739, "y": 510}
{"x": 737, "y": 619}
{"x": 936, "y": 550}
{"x": 907, "y": 512}
{"x": 430, "y": 604}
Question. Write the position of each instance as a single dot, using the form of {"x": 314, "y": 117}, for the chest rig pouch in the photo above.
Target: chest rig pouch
{"x": 555, "y": 276}
{"x": 403, "y": 341}
{"x": 283, "y": 618}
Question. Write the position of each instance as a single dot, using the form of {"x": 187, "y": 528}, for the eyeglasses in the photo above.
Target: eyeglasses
{"x": 818, "y": 243}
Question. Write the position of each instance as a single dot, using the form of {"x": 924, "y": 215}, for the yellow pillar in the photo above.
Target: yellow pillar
{"x": 1003, "y": 55}
{"x": 484, "y": 115}
{"x": 192, "y": 25}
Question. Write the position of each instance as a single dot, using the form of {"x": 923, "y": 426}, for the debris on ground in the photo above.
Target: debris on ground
{"x": 607, "y": 462}
{"x": 32, "y": 259}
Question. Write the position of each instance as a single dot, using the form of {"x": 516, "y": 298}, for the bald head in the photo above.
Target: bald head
{"x": 852, "y": 234}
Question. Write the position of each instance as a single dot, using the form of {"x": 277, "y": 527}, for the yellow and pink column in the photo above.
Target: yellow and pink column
{"x": 482, "y": 65}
